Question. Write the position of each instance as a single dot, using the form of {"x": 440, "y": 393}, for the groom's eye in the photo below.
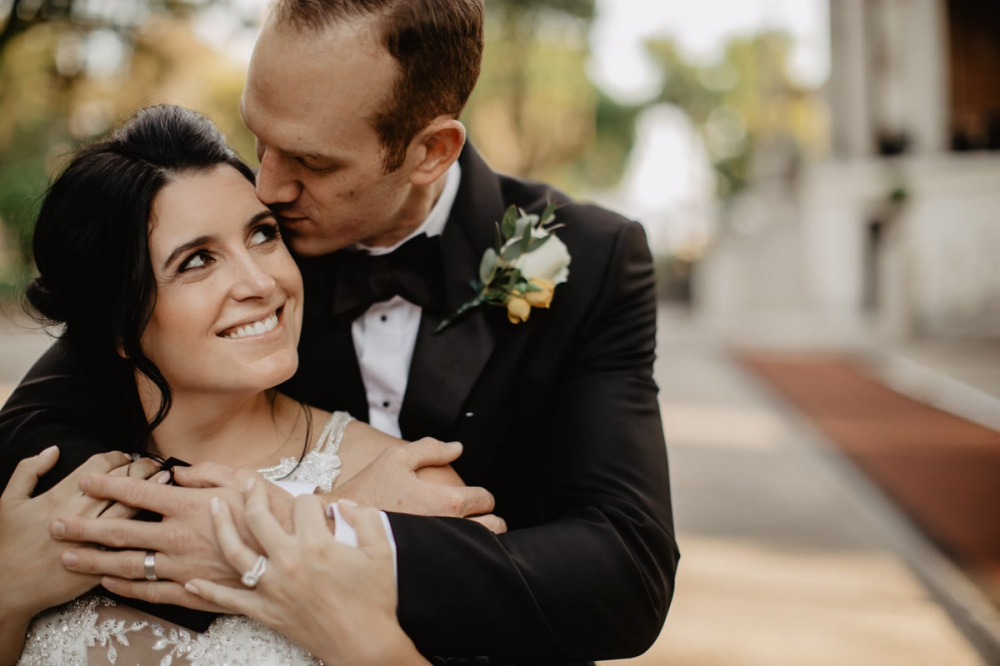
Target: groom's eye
{"x": 319, "y": 166}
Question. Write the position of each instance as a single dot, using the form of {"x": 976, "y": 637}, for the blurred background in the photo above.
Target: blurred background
{"x": 820, "y": 184}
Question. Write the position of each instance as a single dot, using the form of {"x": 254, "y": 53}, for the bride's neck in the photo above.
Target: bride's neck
{"x": 242, "y": 431}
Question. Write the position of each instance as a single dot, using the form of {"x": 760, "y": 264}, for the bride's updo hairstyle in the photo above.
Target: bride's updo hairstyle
{"x": 91, "y": 238}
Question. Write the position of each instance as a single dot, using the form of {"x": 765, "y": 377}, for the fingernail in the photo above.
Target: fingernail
{"x": 455, "y": 445}
{"x": 214, "y": 505}
{"x": 70, "y": 559}
{"x": 58, "y": 529}
{"x": 49, "y": 451}
{"x": 250, "y": 483}
{"x": 109, "y": 583}
{"x": 347, "y": 502}
{"x": 85, "y": 484}
{"x": 163, "y": 477}
{"x": 192, "y": 589}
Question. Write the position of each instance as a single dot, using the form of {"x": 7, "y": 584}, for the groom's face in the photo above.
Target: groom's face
{"x": 309, "y": 100}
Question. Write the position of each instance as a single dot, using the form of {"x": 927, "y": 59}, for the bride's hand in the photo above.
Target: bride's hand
{"x": 29, "y": 556}
{"x": 336, "y": 601}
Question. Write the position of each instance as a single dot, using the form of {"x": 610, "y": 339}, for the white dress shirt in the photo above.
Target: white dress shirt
{"x": 384, "y": 336}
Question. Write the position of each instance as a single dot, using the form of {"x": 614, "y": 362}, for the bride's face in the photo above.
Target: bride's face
{"x": 229, "y": 296}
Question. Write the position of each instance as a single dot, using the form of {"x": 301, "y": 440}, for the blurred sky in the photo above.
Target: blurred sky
{"x": 701, "y": 28}
{"x": 619, "y": 65}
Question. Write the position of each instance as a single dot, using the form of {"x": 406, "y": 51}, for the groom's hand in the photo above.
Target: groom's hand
{"x": 184, "y": 542}
{"x": 415, "y": 478}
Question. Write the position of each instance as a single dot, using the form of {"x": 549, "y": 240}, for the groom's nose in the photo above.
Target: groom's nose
{"x": 276, "y": 182}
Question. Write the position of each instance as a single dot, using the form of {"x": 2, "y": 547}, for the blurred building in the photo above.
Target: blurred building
{"x": 899, "y": 228}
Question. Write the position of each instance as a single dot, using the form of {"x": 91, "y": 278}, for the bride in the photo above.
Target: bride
{"x": 172, "y": 282}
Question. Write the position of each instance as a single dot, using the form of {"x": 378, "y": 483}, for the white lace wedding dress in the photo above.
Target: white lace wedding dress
{"x": 93, "y": 630}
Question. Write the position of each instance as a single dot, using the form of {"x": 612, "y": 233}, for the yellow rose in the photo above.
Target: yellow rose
{"x": 518, "y": 309}
{"x": 543, "y": 298}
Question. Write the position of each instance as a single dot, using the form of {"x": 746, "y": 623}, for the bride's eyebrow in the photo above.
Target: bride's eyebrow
{"x": 190, "y": 245}
{"x": 205, "y": 240}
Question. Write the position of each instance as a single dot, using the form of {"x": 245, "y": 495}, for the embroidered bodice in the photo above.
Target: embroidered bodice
{"x": 93, "y": 630}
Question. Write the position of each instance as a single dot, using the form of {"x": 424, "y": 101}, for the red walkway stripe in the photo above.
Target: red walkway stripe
{"x": 944, "y": 471}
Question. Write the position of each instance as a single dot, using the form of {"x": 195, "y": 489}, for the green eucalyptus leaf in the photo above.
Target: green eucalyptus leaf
{"x": 524, "y": 225}
{"x": 511, "y": 252}
{"x": 550, "y": 212}
{"x": 525, "y": 241}
{"x": 538, "y": 242}
{"x": 499, "y": 238}
{"x": 488, "y": 265}
{"x": 510, "y": 222}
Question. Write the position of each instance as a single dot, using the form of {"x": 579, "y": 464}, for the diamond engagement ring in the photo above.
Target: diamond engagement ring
{"x": 251, "y": 577}
{"x": 150, "y": 565}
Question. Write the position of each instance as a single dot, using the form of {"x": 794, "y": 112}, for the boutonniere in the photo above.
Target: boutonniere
{"x": 522, "y": 271}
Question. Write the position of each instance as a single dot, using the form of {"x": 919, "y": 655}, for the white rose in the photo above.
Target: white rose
{"x": 549, "y": 262}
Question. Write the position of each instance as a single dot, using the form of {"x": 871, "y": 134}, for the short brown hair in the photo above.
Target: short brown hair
{"x": 437, "y": 43}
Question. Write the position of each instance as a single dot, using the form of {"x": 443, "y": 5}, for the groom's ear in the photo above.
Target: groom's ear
{"x": 435, "y": 149}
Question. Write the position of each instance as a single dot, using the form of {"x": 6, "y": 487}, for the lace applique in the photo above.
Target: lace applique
{"x": 65, "y": 635}
{"x": 321, "y": 466}
{"x": 95, "y": 631}
{"x": 79, "y": 634}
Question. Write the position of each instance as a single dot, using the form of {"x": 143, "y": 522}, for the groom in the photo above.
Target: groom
{"x": 354, "y": 105}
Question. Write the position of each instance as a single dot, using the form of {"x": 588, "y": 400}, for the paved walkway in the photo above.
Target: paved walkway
{"x": 788, "y": 556}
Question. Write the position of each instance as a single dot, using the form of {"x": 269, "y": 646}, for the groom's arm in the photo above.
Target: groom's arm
{"x": 594, "y": 581}
{"x": 59, "y": 403}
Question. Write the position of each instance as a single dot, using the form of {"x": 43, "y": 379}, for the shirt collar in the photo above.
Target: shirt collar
{"x": 436, "y": 219}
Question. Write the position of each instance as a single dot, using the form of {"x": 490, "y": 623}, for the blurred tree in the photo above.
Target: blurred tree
{"x": 742, "y": 103}
{"x": 535, "y": 112}
{"x": 69, "y": 71}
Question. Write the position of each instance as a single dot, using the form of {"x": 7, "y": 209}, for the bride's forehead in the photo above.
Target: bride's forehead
{"x": 216, "y": 199}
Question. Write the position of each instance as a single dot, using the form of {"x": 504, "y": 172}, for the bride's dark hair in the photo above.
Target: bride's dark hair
{"x": 91, "y": 237}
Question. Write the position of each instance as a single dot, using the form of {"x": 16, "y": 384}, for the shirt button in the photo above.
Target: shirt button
{"x": 384, "y": 318}
{"x": 385, "y": 404}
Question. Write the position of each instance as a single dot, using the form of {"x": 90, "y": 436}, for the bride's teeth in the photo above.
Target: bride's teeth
{"x": 256, "y": 328}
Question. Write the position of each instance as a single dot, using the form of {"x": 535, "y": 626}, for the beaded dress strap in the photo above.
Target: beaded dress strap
{"x": 333, "y": 433}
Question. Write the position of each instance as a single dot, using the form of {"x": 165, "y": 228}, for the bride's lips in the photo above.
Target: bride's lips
{"x": 254, "y": 328}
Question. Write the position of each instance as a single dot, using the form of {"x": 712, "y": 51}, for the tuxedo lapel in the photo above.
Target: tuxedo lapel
{"x": 446, "y": 365}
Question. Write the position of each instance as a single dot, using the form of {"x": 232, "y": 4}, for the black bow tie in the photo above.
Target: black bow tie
{"x": 413, "y": 271}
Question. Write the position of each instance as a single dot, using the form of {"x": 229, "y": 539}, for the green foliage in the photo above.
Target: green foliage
{"x": 744, "y": 100}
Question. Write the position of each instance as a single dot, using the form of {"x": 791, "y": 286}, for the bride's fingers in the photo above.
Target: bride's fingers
{"x": 263, "y": 525}
{"x": 367, "y": 522}
{"x": 228, "y": 599}
{"x": 310, "y": 520}
{"x": 239, "y": 555}
{"x": 161, "y": 592}
{"x": 22, "y": 483}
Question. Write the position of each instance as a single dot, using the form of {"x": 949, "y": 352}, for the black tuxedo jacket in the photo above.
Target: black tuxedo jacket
{"x": 558, "y": 416}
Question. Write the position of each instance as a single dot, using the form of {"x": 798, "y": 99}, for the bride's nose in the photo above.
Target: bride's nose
{"x": 251, "y": 279}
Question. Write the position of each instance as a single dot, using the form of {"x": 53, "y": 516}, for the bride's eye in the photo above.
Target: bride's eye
{"x": 264, "y": 233}
{"x": 199, "y": 259}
